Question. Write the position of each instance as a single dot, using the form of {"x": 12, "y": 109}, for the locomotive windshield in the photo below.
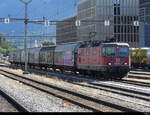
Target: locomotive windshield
{"x": 123, "y": 51}
{"x": 109, "y": 51}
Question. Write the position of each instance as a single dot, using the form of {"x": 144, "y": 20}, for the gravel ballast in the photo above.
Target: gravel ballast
{"x": 102, "y": 95}
{"x": 35, "y": 100}
{"x": 5, "y": 106}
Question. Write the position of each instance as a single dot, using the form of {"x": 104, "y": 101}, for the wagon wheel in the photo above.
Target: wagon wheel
{"x": 61, "y": 70}
{"x": 54, "y": 69}
{"x": 75, "y": 72}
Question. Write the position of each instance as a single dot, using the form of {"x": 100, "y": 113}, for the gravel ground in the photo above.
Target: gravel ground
{"x": 99, "y": 94}
{"x": 35, "y": 100}
{"x": 102, "y": 95}
{"x": 5, "y": 106}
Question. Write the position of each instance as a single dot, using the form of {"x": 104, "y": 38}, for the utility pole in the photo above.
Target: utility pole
{"x": 25, "y": 34}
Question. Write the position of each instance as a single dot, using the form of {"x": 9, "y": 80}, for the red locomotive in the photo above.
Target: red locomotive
{"x": 108, "y": 59}
{"x": 94, "y": 58}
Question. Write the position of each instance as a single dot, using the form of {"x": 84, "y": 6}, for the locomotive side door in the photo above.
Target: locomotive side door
{"x": 88, "y": 59}
{"x": 95, "y": 55}
{"x": 81, "y": 57}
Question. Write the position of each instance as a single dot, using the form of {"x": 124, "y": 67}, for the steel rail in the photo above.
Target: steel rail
{"x": 74, "y": 97}
{"x": 140, "y": 72}
{"x": 90, "y": 81}
{"x": 13, "y": 102}
{"x": 140, "y": 95}
{"x": 139, "y": 76}
{"x": 139, "y": 83}
{"x": 116, "y": 90}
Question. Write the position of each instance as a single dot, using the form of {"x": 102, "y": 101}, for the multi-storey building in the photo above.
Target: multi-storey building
{"x": 120, "y": 13}
{"x": 66, "y": 31}
{"x": 144, "y": 32}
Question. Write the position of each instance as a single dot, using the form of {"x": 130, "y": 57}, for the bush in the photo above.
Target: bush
{"x": 6, "y": 46}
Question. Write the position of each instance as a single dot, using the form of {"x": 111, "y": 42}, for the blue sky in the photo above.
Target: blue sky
{"x": 52, "y": 9}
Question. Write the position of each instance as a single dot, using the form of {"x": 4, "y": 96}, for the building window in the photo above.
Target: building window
{"x": 116, "y": 2}
{"x": 122, "y": 29}
{"x": 118, "y": 29}
{"x": 117, "y": 10}
{"x": 115, "y": 29}
{"x": 119, "y": 38}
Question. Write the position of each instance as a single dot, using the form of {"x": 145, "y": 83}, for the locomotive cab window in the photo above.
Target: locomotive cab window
{"x": 104, "y": 51}
{"x": 123, "y": 51}
{"x": 109, "y": 51}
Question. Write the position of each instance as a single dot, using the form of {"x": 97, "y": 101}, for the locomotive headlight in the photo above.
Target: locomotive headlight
{"x": 109, "y": 63}
{"x": 125, "y": 64}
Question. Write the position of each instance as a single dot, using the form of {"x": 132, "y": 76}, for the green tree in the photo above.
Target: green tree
{"x": 47, "y": 43}
{"x": 6, "y": 46}
{"x": 2, "y": 38}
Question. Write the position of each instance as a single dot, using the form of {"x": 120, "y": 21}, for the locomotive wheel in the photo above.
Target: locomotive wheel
{"x": 54, "y": 69}
{"x": 146, "y": 68}
{"x": 80, "y": 72}
{"x": 75, "y": 72}
{"x": 86, "y": 73}
{"x": 61, "y": 70}
{"x": 46, "y": 68}
{"x": 107, "y": 76}
{"x": 93, "y": 74}
{"x": 40, "y": 67}
{"x": 33, "y": 67}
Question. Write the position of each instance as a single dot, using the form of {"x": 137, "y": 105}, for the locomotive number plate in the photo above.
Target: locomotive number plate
{"x": 117, "y": 60}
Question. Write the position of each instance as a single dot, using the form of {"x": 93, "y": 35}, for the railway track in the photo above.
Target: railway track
{"x": 109, "y": 88}
{"x": 133, "y": 74}
{"x": 113, "y": 88}
{"x": 138, "y": 76}
{"x": 72, "y": 96}
{"x": 88, "y": 80}
{"x": 93, "y": 84}
{"x": 139, "y": 83}
{"x": 140, "y": 71}
{"x": 19, "y": 107}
